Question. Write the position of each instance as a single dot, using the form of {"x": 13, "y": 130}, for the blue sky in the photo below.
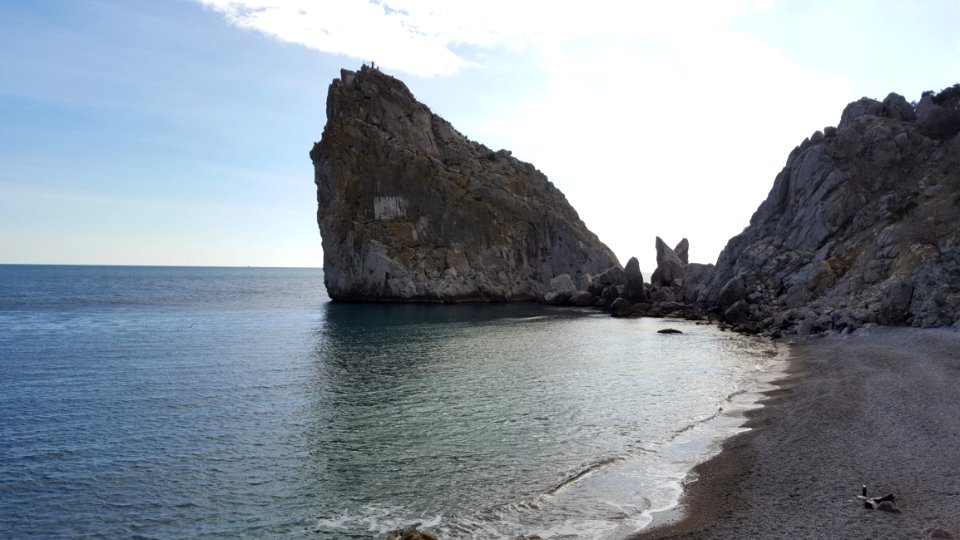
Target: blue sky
{"x": 176, "y": 132}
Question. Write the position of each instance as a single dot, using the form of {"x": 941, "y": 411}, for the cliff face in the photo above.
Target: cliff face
{"x": 411, "y": 210}
{"x": 862, "y": 225}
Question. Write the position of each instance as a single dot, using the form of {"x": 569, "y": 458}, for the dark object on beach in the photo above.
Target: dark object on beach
{"x": 411, "y": 533}
{"x": 887, "y": 503}
{"x": 937, "y": 532}
{"x": 669, "y": 331}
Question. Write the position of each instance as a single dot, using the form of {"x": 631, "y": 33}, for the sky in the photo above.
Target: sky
{"x": 176, "y": 132}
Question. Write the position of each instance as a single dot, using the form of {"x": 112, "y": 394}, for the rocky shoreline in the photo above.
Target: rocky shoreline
{"x": 859, "y": 233}
{"x": 859, "y": 228}
{"x": 845, "y": 415}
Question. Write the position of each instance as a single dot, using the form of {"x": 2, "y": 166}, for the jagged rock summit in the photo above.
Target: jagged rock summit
{"x": 861, "y": 226}
{"x": 411, "y": 210}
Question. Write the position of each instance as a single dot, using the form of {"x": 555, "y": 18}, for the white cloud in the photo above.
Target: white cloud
{"x": 358, "y": 29}
{"x": 655, "y": 118}
{"x": 420, "y": 36}
{"x": 662, "y": 121}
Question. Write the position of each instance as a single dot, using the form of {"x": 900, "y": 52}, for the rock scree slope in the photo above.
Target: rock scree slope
{"x": 411, "y": 210}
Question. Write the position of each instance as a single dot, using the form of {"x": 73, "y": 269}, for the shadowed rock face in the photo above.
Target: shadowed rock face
{"x": 670, "y": 263}
{"x": 862, "y": 225}
{"x": 411, "y": 210}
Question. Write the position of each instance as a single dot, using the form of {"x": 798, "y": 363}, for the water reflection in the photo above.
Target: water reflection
{"x": 475, "y": 412}
{"x": 415, "y": 405}
{"x": 350, "y": 315}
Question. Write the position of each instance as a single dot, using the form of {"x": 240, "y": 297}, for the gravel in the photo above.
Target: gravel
{"x": 879, "y": 407}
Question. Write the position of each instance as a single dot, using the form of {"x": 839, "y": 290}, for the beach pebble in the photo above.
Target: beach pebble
{"x": 411, "y": 533}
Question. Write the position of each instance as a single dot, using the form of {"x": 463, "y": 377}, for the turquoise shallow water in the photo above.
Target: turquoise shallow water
{"x": 211, "y": 402}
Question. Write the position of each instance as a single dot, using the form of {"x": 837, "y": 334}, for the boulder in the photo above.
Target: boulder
{"x": 621, "y": 307}
{"x": 611, "y": 276}
{"x": 582, "y": 298}
{"x": 737, "y": 313}
{"x": 937, "y": 532}
{"x": 896, "y": 106}
{"x": 732, "y": 291}
{"x": 938, "y": 115}
{"x": 895, "y": 302}
{"x": 609, "y": 294}
{"x": 556, "y": 298}
{"x": 633, "y": 289}
{"x": 411, "y": 533}
{"x": 662, "y": 295}
{"x": 562, "y": 284}
{"x": 861, "y": 107}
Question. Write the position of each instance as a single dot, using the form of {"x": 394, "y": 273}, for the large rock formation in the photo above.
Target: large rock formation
{"x": 862, "y": 225}
{"x": 411, "y": 210}
{"x": 670, "y": 263}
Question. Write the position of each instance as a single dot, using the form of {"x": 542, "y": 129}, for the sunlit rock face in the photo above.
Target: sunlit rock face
{"x": 861, "y": 225}
{"x": 411, "y": 210}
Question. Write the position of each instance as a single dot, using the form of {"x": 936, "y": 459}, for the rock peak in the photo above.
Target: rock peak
{"x": 411, "y": 210}
{"x": 859, "y": 227}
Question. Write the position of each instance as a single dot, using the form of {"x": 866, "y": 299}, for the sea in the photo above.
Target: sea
{"x": 184, "y": 402}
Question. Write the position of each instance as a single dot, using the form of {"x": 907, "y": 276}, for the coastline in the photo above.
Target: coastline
{"x": 878, "y": 407}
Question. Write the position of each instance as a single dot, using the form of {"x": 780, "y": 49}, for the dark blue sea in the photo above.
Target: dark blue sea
{"x": 161, "y": 402}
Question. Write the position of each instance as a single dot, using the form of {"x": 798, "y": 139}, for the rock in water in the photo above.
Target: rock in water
{"x": 411, "y": 210}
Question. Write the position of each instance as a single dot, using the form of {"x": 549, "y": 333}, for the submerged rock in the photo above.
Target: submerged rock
{"x": 411, "y": 210}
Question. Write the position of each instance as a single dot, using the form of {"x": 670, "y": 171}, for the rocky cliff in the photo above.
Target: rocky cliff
{"x": 862, "y": 225}
{"x": 411, "y": 210}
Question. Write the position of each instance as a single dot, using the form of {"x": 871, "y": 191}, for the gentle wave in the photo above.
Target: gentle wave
{"x": 240, "y": 402}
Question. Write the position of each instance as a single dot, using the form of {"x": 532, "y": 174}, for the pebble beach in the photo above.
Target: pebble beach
{"x": 878, "y": 407}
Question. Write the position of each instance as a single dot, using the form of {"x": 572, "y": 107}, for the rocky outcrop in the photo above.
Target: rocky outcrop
{"x": 862, "y": 225}
{"x": 411, "y": 210}
{"x": 938, "y": 116}
{"x": 629, "y": 296}
{"x": 634, "y": 288}
{"x": 683, "y": 251}
{"x": 669, "y": 263}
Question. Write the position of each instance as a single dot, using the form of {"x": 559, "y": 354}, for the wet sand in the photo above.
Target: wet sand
{"x": 879, "y": 407}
